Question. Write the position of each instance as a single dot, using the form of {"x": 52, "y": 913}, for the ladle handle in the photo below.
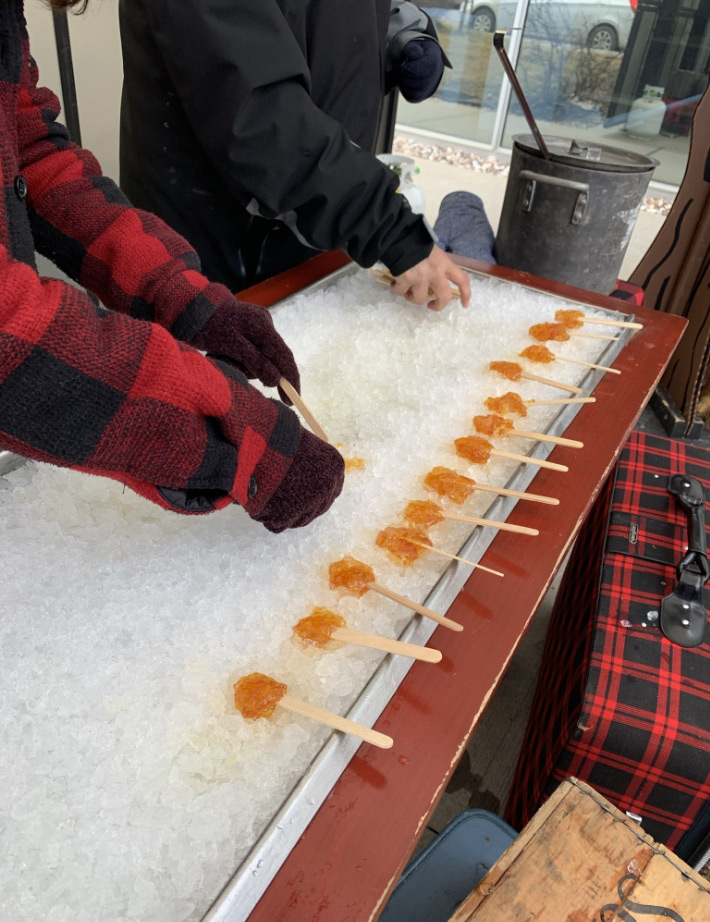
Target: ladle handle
{"x": 498, "y": 37}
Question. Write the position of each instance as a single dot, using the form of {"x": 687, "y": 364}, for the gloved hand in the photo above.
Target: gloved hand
{"x": 244, "y": 335}
{"x": 234, "y": 444}
{"x": 420, "y": 69}
{"x": 309, "y": 488}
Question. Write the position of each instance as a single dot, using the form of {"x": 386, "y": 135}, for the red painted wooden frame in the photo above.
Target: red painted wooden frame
{"x": 346, "y": 863}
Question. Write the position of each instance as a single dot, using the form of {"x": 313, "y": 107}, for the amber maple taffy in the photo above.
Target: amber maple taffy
{"x": 426, "y": 514}
{"x": 351, "y": 464}
{"x": 513, "y": 371}
{"x": 514, "y": 403}
{"x": 543, "y": 332}
{"x": 323, "y": 626}
{"x": 574, "y": 319}
{"x": 507, "y": 403}
{"x": 407, "y": 543}
{"x": 493, "y": 425}
{"x": 456, "y": 487}
{"x": 477, "y": 450}
{"x": 356, "y": 578}
{"x": 257, "y": 696}
{"x": 543, "y": 355}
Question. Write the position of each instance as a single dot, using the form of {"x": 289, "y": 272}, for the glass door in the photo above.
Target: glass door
{"x": 619, "y": 72}
{"x": 471, "y": 100}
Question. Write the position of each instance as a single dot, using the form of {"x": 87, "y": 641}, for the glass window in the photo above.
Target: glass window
{"x": 626, "y": 74}
{"x": 465, "y": 104}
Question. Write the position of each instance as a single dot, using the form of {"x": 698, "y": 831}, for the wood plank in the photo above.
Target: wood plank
{"x": 580, "y": 858}
{"x": 351, "y": 855}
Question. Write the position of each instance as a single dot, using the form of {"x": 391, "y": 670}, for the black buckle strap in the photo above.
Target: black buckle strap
{"x": 683, "y": 616}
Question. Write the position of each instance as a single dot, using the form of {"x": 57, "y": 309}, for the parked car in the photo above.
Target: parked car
{"x": 600, "y": 24}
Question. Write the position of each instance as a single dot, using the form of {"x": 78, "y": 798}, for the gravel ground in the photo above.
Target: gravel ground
{"x": 481, "y": 164}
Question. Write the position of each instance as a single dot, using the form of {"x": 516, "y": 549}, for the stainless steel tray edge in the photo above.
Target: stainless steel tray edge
{"x": 9, "y": 462}
{"x": 251, "y": 879}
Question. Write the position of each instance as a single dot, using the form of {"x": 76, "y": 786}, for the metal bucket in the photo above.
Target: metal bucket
{"x": 570, "y": 217}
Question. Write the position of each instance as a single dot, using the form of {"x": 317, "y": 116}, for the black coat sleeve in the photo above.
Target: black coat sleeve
{"x": 244, "y": 85}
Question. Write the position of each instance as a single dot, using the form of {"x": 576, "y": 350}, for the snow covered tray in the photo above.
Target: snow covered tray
{"x": 129, "y": 787}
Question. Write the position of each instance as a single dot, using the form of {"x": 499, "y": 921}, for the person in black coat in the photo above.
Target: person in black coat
{"x": 248, "y": 125}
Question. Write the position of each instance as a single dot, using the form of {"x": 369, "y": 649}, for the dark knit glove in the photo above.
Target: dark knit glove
{"x": 420, "y": 69}
{"x": 309, "y": 488}
{"x": 244, "y": 335}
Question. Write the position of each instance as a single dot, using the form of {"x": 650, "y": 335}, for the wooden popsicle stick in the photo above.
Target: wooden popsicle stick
{"x": 525, "y": 459}
{"x": 376, "y": 642}
{"x": 503, "y": 526}
{"x": 563, "y": 387}
{"x": 436, "y": 550}
{"x": 419, "y": 609}
{"x": 627, "y": 324}
{"x": 386, "y": 278}
{"x": 544, "y": 437}
{"x": 561, "y": 400}
{"x": 593, "y": 336}
{"x": 563, "y": 358}
{"x": 297, "y": 401}
{"x": 531, "y": 497}
{"x": 336, "y": 721}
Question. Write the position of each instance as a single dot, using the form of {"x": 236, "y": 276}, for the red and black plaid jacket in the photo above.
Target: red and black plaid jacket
{"x": 113, "y": 392}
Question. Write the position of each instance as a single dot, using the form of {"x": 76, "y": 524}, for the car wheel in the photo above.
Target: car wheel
{"x": 483, "y": 20}
{"x": 603, "y": 38}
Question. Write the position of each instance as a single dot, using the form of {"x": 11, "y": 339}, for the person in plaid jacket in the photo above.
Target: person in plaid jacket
{"x": 122, "y": 390}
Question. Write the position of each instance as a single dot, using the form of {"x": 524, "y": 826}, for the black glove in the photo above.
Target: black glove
{"x": 309, "y": 488}
{"x": 244, "y": 335}
{"x": 420, "y": 69}
{"x": 414, "y": 60}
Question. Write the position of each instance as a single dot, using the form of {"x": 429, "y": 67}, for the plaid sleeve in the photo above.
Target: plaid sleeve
{"x": 91, "y": 389}
{"x": 82, "y": 222}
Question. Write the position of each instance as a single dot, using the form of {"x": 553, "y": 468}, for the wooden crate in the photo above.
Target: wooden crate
{"x": 582, "y": 860}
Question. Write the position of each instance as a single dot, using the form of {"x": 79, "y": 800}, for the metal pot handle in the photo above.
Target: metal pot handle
{"x": 532, "y": 179}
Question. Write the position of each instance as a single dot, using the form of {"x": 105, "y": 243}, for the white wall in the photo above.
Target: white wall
{"x": 96, "y": 50}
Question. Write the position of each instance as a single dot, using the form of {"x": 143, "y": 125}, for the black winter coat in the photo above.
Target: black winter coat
{"x": 247, "y": 125}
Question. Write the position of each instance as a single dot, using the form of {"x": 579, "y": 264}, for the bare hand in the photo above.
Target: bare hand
{"x": 428, "y": 281}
